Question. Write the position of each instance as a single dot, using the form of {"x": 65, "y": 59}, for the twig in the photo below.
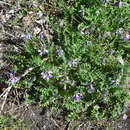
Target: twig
{"x": 4, "y": 32}
{"x": 3, "y": 92}
{"x": 16, "y": 108}
{"x": 26, "y": 72}
{"x": 30, "y": 69}
{"x": 79, "y": 127}
{"x": 6, "y": 92}
{"x": 6, "y": 95}
{"x": 55, "y": 123}
{"x": 67, "y": 126}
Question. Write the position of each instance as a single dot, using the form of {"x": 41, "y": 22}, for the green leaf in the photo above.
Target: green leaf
{"x": 28, "y": 47}
{"x": 36, "y": 60}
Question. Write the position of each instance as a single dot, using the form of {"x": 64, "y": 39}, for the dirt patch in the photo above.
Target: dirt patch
{"x": 36, "y": 118}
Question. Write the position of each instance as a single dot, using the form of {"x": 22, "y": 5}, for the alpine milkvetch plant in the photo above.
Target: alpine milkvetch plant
{"x": 126, "y": 37}
{"x": 46, "y": 75}
{"x": 82, "y": 69}
{"x": 77, "y": 97}
{"x": 12, "y": 78}
{"x": 42, "y": 50}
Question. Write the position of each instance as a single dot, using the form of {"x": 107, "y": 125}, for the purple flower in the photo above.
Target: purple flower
{"x": 41, "y": 36}
{"x": 59, "y": 51}
{"x": 46, "y": 75}
{"x": 77, "y": 97}
{"x": 72, "y": 63}
{"x": 12, "y": 78}
{"x": 126, "y": 37}
{"x": 26, "y": 36}
{"x": 42, "y": 51}
{"x": 112, "y": 82}
{"x": 119, "y": 3}
{"x": 117, "y": 82}
{"x": 124, "y": 117}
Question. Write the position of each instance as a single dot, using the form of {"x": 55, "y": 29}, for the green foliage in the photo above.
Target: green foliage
{"x": 11, "y": 123}
{"x": 83, "y": 69}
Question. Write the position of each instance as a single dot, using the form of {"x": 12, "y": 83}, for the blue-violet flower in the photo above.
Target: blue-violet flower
{"x": 12, "y": 78}
{"x": 47, "y": 75}
{"x": 77, "y": 97}
{"x": 126, "y": 37}
{"x": 59, "y": 51}
{"x": 72, "y": 63}
{"x": 42, "y": 51}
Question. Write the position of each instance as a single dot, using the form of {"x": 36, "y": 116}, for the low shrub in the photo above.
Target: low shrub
{"x": 81, "y": 69}
{"x": 8, "y": 122}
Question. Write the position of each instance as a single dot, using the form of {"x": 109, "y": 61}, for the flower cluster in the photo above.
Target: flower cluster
{"x": 126, "y": 37}
{"x": 26, "y": 36}
{"x": 59, "y": 51}
{"x": 117, "y": 82}
{"x": 77, "y": 97}
{"x": 72, "y": 63}
{"x": 47, "y": 75}
{"x": 119, "y": 3}
{"x": 13, "y": 79}
{"x": 75, "y": 70}
{"x": 42, "y": 51}
{"x": 124, "y": 117}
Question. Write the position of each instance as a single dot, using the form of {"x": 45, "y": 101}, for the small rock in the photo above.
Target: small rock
{"x": 37, "y": 30}
{"x": 41, "y": 21}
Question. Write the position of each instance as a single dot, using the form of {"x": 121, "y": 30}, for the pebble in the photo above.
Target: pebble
{"x": 37, "y": 30}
